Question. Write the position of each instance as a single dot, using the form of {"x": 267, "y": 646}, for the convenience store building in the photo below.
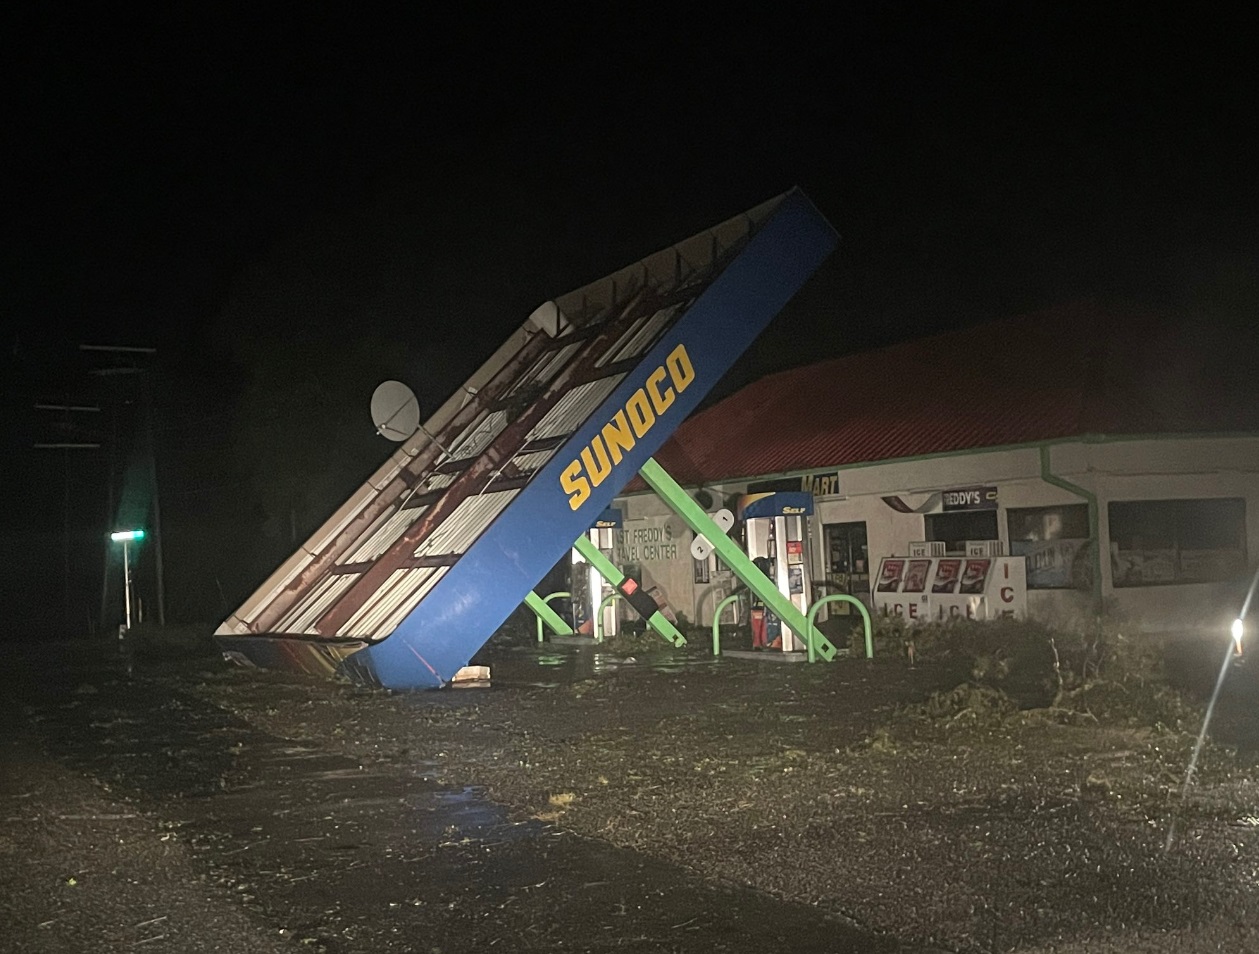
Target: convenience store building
{"x": 1112, "y": 453}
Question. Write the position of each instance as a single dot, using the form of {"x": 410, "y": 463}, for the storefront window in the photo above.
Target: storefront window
{"x": 1063, "y": 522}
{"x": 1155, "y": 542}
{"x": 954, "y": 529}
{"x": 702, "y": 572}
{"x": 1054, "y": 541}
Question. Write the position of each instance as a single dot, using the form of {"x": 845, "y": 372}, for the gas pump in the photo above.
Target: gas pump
{"x": 587, "y": 584}
{"x": 776, "y": 528}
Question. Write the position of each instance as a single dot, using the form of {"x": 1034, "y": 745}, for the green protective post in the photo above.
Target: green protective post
{"x": 717, "y": 621}
{"x": 658, "y": 479}
{"x": 607, "y": 569}
{"x": 542, "y": 609}
{"x": 599, "y": 613}
{"x": 842, "y": 598}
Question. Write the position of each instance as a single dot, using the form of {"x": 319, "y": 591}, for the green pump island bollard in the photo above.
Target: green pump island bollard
{"x": 542, "y": 608}
{"x": 717, "y": 620}
{"x": 840, "y": 598}
{"x": 599, "y": 614}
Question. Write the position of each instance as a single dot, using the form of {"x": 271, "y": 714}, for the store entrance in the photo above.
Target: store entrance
{"x": 847, "y": 564}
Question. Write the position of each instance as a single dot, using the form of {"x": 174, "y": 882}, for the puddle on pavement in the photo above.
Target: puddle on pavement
{"x": 548, "y": 667}
{"x": 343, "y": 857}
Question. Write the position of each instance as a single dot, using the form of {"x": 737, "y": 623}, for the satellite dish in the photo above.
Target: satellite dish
{"x": 395, "y": 410}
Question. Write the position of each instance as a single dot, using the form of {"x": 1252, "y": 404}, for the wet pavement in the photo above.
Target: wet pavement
{"x": 329, "y": 853}
{"x": 668, "y": 803}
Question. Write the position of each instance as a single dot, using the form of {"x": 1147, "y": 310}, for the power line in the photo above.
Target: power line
{"x": 66, "y": 407}
{"x": 118, "y": 349}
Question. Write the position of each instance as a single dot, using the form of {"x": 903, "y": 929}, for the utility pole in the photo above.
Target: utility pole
{"x": 146, "y": 393}
{"x": 157, "y": 503}
{"x": 66, "y": 446}
{"x": 111, "y": 510}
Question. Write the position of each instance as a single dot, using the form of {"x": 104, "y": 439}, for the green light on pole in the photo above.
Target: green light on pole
{"x": 125, "y": 537}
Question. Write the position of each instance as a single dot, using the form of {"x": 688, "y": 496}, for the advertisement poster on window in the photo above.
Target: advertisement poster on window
{"x": 948, "y": 572}
{"x": 1142, "y": 567}
{"x": 1051, "y": 564}
{"x": 1203, "y": 566}
{"x": 974, "y": 576}
{"x": 890, "y": 574}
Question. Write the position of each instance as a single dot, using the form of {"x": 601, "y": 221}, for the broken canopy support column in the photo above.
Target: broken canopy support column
{"x": 670, "y": 492}
{"x": 607, "y": 569}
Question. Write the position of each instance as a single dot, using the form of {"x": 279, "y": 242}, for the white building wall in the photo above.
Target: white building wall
{"x": 1173, "y": 469}
{"x": 658, "y": 542}
{"x": 927, "y": 474}
{"x": 1116, "y": 470}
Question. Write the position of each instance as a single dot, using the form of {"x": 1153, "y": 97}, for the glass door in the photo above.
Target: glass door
{"x": 847, "y": 563}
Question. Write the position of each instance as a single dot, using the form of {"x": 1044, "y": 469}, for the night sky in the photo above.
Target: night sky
{"x": 292, "y": 207}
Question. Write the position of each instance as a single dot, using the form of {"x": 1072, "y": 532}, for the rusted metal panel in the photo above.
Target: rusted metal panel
{"x": 493, "y": 455}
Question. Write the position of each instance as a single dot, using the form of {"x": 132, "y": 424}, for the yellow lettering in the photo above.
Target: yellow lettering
{"x": 618, "y": 436}
{"x": 680, "y": 368}
{"x": 575, "y": 485}
{"x": 640, "y": 414}
{"x": 597, "y": 469}
{"x": 659, "y": 401}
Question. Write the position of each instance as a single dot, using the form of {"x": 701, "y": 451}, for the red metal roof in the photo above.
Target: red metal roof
{"x": 1061, "y": 373}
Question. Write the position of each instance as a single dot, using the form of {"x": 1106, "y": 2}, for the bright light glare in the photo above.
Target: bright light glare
{"x": 119, "y": 535}
{"x": 1238, "y": 629}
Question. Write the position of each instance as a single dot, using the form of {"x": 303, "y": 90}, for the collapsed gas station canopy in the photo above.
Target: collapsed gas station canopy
{"x": 415, "y": 572}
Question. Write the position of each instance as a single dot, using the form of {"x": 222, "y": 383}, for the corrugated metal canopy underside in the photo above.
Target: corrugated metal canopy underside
{"x": 374, "y": 560}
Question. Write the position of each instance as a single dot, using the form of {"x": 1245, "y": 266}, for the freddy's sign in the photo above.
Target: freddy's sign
{"x": 969, "y": 498}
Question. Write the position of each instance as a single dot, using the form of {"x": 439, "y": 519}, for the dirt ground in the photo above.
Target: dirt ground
{"x": 808, "y": 788}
